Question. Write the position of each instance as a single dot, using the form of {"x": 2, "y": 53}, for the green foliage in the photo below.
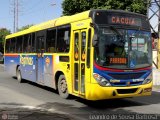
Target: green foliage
{"x": 3, "y": 33}
{"x": 71, "y": 7}
{"x": 25, "y": 27}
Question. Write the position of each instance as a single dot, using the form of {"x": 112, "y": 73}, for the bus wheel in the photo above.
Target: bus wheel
{"x": 62, "y": 87}
{"x": 19, "y": 76}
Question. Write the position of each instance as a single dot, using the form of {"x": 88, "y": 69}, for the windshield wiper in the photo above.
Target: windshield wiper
{"x": 115, "y": 30}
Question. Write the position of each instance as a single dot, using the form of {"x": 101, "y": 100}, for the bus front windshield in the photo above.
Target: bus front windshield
{"x": 123, "y": 49}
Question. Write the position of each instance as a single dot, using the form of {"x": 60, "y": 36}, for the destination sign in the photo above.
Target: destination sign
{"x": 125, "y": 20}
{"x": 118, "y": 60}
{"x": 118, "y": 18}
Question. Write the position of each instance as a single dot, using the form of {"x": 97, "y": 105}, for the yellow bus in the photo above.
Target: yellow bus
{"x": 95, "y": 55}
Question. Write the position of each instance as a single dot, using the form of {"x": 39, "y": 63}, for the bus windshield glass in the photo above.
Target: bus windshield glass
{"x": 123, "y": 48}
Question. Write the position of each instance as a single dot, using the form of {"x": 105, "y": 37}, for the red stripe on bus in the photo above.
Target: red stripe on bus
{"x": 11, "y": 55}
{"x": 107, "y": 69}
{"x": 119, "y": 70}
{"x": 140, "y": 69}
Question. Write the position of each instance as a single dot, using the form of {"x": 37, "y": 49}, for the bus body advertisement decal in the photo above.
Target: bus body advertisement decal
{"x": 26, "y": 60}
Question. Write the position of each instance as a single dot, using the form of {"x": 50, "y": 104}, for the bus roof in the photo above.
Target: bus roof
{"x": 64, "y": 20}
{"x": 52, "y": 23}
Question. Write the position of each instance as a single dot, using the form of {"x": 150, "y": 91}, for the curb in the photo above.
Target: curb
{"x": 2, "y": 65}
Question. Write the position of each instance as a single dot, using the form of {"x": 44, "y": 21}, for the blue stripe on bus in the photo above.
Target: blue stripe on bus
{"x": 123, "y": 82}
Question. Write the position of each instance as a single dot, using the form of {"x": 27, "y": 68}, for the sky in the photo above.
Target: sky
{"x": 30, "y": 12}
{"x": 37, "y": 11}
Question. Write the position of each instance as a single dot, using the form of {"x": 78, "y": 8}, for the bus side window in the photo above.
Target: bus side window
{"x": 19, "y": 44}
{"x": 13, "y": 45}
{"x": 7, "y": 45}
{"x": 67, "y": 40}
{"x": 63, "y": 39}
{"x": 25, "y": 43}
{"x": 50, "y": 41}
{"x": 29, "y": 47}
{"x": 33, "y": 48}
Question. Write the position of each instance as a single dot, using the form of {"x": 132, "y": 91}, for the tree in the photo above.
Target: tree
{"x": 3, "y": 33}
{"x": 25, "y": 27}
{"x": 71, "y": 7}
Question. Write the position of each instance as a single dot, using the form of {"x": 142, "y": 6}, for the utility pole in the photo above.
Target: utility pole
{"x": 17, "y": 16}
{"x": 15, "y": 9}
{"x": 14, "y": 16}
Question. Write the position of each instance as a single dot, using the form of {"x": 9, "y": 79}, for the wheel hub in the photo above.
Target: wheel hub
{"x": 63, "y": 86}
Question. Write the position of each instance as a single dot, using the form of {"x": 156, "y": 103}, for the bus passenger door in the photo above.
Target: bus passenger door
{"x": 40, "y": 45}
{"x": 79, "y": 62}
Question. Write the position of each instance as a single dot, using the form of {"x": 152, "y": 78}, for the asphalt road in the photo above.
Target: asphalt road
{"x": 31, "y": 101}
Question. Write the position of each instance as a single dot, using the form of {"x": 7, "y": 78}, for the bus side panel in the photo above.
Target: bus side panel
{"x": 28, "y": 67}
{"x": 11, "y": 62}
{"x": 48, "y": 71}
{"x": 62, "y": 66}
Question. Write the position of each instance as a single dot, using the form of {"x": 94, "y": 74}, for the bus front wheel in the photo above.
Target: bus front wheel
{"x": 62, "y": 87}
{"x": 19, "y": 76}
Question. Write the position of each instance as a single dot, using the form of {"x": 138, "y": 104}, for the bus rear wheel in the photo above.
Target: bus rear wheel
{"x": 19, "y": 76}
{"x": 62, "y": 87}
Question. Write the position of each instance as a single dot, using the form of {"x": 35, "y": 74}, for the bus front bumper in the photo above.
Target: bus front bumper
{"x": 97, "y": 92}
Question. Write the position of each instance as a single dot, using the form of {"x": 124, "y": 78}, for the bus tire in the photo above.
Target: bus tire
{"x": 19, "y": 76}
{"x": 62, "y": 87}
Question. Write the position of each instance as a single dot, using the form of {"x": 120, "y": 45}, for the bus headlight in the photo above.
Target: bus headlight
{"x": 101, "y": 80}
{"x": 148, "y": 79}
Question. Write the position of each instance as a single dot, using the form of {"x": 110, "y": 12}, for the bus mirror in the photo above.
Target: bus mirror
{"x": 95, "y": 40}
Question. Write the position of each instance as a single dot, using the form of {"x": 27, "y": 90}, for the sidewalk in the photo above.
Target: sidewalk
{"x": 156, "y": 77}
{"x": 156, "y": 88}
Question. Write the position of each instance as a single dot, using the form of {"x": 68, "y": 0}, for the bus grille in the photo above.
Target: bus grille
{"x": 127, "y": 76}
{"x": 126, "y": 91}
{"x": 125, "y": 84}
